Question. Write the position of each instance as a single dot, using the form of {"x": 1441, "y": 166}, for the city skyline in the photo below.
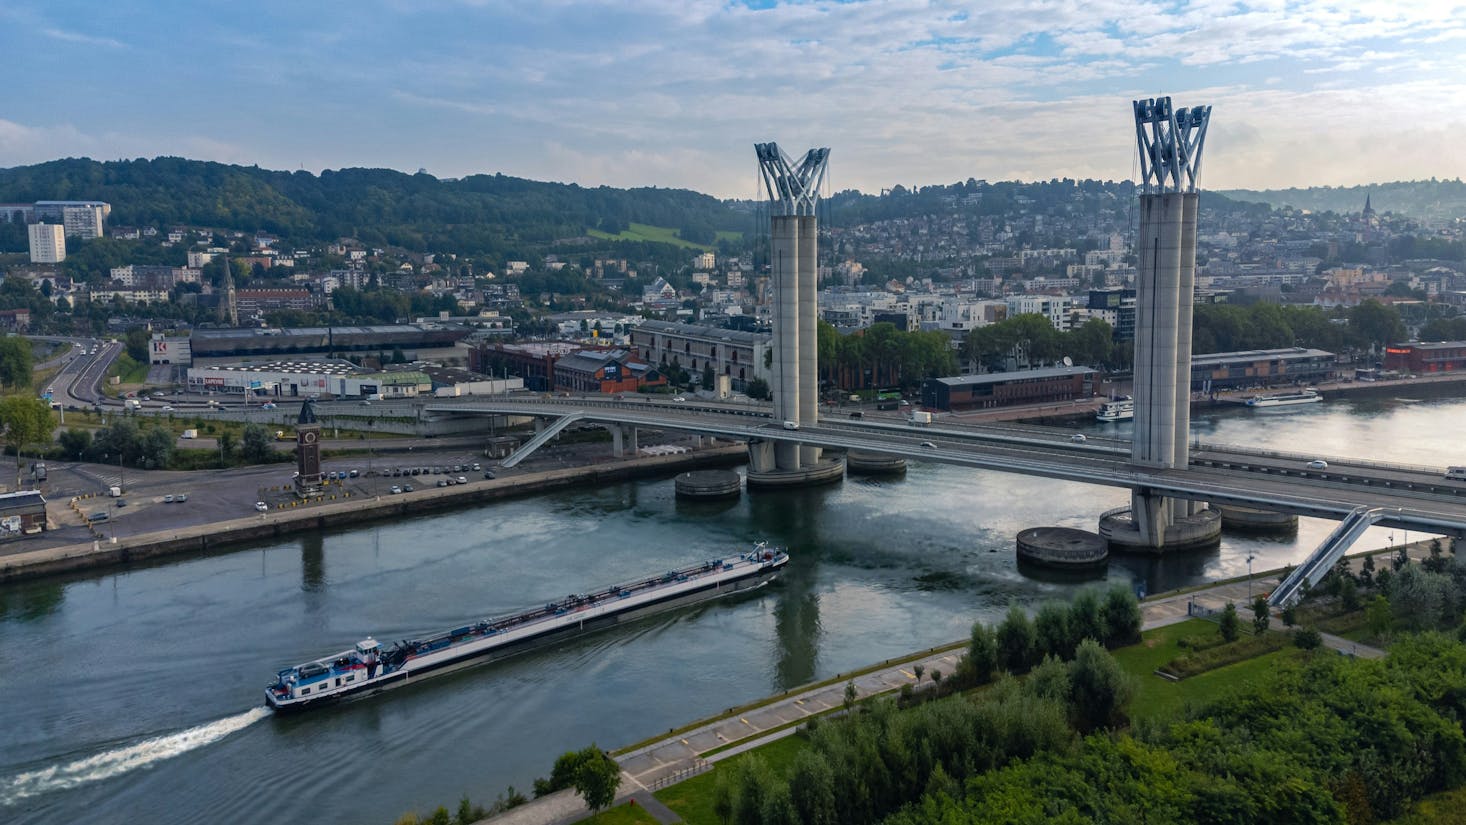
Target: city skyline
{"x": 674, "y": 94}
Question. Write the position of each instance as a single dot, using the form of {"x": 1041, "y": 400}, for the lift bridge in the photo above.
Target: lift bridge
{"x": 1358, "y": 493}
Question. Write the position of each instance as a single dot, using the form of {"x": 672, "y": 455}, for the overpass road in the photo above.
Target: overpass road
{"x": 1420, "y": 498}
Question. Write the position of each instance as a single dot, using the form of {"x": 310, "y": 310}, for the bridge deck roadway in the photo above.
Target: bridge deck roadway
{"x": 1419, "y": 498}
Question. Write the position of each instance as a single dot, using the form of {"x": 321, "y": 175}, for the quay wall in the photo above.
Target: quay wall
{"x": 350, "y": 513}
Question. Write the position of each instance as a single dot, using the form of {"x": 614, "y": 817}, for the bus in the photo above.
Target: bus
{"x": 891, "y": 394}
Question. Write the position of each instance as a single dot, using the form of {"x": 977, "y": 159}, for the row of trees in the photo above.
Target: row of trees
{"x": 150, "y": 446}
{"x": 883, "y": 356}
{"x": 1031, "y": 340}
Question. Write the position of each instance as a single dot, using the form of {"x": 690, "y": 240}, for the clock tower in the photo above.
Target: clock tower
{"x": 307, "y": 451}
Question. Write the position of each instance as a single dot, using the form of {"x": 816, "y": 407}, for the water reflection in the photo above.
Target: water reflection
{"x": 313, "y": 563}
{"x": 31, "y": 601}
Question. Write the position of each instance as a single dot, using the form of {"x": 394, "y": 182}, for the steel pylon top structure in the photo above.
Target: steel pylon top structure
{"x": 793, "y": 188}
{"x": 1170, "y": 142}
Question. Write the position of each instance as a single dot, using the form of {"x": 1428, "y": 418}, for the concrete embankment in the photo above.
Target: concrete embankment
{"x": 350, "y": 513}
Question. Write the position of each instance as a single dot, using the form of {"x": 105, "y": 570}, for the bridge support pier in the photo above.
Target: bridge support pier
{"x": 1152, "y": 525}
{"x": 623, "y": 438}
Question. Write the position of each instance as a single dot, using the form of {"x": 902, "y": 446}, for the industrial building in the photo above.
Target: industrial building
{"x": 1419, "y": 359}
{"x": 1261, "y": 368}
{"x": 977, "y": 392}
{"x": 605, "y": 371}
{"x": 416, "y": 342}
{"x": 294, "y": 379}
{"x": 21, "y": 513}
{"x": 734, "y": 353}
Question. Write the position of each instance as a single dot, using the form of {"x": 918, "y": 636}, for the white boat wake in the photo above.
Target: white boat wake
{"x": 118, "y": 761}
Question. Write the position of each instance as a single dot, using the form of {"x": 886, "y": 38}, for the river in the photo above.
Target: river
{"x": 135, "y": 696}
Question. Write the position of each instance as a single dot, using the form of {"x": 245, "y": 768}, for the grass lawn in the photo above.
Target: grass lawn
{"x": 1444, "y": 808}
{"x": 693, "y": 799}
{"x": 1155, "y": 697}
{"x": 645, "y": 232}
{"x": 621, "y": 815}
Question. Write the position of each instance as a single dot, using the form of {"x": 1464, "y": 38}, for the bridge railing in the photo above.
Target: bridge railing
{"x": 1305, "y": 457}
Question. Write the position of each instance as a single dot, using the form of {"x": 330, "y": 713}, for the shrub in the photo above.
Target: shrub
{"x": 1307, "y": 638}
{"x": 982, "y": 652}
{"x": 1121, "y": 616}
{"x": 1228, "y": 625}
{"x": 1016, "y": 641}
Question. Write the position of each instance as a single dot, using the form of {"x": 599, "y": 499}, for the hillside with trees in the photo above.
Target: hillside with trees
{"x": 479, "y": 214}
{"x": 1428, "y": 200}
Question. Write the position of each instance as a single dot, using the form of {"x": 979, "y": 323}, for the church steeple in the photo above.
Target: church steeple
{"x": 228, "y": 309}
{"x": 1368, "y": 210}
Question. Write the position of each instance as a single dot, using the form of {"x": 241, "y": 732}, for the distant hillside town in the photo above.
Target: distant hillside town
{"x": 613, "y": 291}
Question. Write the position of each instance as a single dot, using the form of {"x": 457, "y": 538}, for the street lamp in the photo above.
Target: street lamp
{"x": 1250, "y": 557}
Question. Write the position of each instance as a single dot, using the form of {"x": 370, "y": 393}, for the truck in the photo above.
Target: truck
{"x": 919, "y": 418}
{"x": 132, "y": 404}
{"x": 114, "y": 491}
{"x": 190, "y": 433}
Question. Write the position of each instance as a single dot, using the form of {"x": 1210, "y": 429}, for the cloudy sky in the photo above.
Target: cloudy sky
{"x": 675, "y": 92}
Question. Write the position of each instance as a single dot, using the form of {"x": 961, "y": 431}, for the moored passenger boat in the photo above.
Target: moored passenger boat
{"x": 369, "y": 668}
{"x": 1285, "y": 399}
{"x": 1117, "y": 409}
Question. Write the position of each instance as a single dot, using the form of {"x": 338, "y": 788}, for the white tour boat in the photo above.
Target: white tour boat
{"x": 1285, "y": 399}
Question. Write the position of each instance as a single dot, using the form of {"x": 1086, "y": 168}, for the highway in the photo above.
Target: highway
{"x": 1420, "y": 497}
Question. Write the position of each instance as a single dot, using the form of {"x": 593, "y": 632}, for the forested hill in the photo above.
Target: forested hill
{"x": 1426, "y": 200}
{"x": 475, "y": 215}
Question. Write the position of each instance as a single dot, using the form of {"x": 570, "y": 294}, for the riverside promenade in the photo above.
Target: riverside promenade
{"x": 685, "y": 753}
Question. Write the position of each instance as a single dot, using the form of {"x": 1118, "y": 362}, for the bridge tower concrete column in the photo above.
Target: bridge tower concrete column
{"x": 1170, "y": 143}
{"x": 793, "y": 188}
{"x": 808, "y": 323}
{"x": 618, "y": 449}
{"x": 784, "y": 258}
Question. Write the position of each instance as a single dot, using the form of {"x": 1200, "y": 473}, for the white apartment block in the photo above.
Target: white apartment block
{"x": 82, "y": 219}
{"x": 1055, "y": 308}
{"x": 706, "y": 260}
{"x": 48, "y": 243}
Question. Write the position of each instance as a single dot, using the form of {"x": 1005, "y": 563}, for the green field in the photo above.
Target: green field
{"x": 1156, "y": 697}
{"x": 693, "y": 799}
{"x": 658, "y": 234}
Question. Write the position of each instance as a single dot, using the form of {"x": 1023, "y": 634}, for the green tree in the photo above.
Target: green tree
{"x": 812, "y": 789}
{"x": 1378, "y": 617}
{"x": 758, "y": 389}
{"x": 596, "y": 778}
{"x": 1307, "y": 638}
{"x": 1051, "y": 631}
{"x": 75, "y": 443}
{"x": 156, "y": 447}
{"x": 1016, "y": 641}
{"x": 15, "y": 362}
{"x": 1099, "y": 687}
{"x": 226, "y": 445}
{"x": 255, "y": 444}
{"x": 1376, "y": 324}
{"x": 136, "y": 344}
{"x": 1121, "y": 616}
{"x": 982, "y": 652}
{"x": 1228, "y": 625}
{"x": 1084, "y": 617}
{"x": 707, "y": 376}
{"x": 25, "y": 420}
{"x": 1261, "y": 615}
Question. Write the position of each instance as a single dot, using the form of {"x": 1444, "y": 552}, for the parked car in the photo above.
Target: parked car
{"x": 355, "y": 474}
{"x": 100, "y": 515}
{"x": 489, "y": 474}
{"x": 407, "y": 488}
{"x": 121, "y": 502}
{"x": 395, "y": 490}
{"x": 261, "y": 506}
{"x": 180, "y": 498}
{"x": 442, "y": 482}
{"x": 475, "y": 467}
{"x": 462, "y": 480}
{"x": 168, "y": 499}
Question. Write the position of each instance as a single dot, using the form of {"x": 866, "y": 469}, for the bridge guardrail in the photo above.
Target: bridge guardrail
{"x": 1304, "y": 457}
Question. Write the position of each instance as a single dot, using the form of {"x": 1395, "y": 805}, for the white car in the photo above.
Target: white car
{"x": 1078, "y": 438}
{"x": 791, "y": 425}
{"x": 165, "y": 408}
{"x": 1318, "y": 464}
{"x": 262, "y": 507}
{"x": 678, "y": 398}
{"x": 928, "y": 445}
{"x": 395, "y": 490}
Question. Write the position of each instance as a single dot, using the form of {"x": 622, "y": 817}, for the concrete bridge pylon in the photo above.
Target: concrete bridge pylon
{"x": 1170, "y": 141}
{"x": 793, "y": 189}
